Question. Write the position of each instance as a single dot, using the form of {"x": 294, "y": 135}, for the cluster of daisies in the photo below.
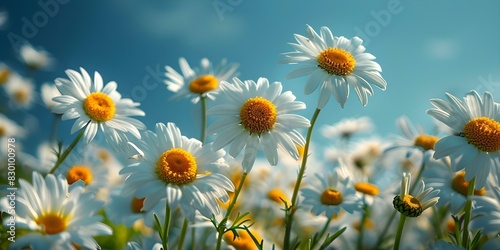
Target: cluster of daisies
{"x": 254, "y": 179}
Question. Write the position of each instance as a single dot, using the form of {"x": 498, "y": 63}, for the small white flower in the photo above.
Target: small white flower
{"x": 413, "y": 206}
{"x": 35, "y": 58}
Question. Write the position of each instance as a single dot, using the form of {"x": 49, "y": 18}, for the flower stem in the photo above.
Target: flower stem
{"x": 221, "y": 228}
{"x": 362, "y": 225}
{"x": 53, "y": 130}
{"x": 166, "y": 227}
{"x": 467, "y": 211}
{"x": 183, "y": 234}
{"x": 203, "y": 118}
{"x": 399, "y": 232}
{"x": 66, "y": 152}
{"x": 289, "y": 219}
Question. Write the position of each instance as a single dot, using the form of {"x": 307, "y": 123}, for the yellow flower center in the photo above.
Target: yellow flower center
{"x": 409, "y": 205}
{"x": 244, "y": 241}
{"x": 137, "y": 204}
{"x": 203, "y": 84}
{"x": 51, "y": 223}
{"x": 278, "y": 195}
{"x": 336, "y": 61}
{"x": 4, "y": 76}
{"x": 104, "y": 155}
{"x": 460, "y": 185}
{"x": 366, "y": 188}
{"x": 331, "y": 197}
{"x": 176, "y": 166}
{"x": 99, "y": 107}
{"x": 258, "y": 115}
{"x": 425, "y": 141}
{"x": 484, "y": 133}
{"x": 77, "y": 173}
{"x": 21, "y": 96}
{"x": 2, "y": 130}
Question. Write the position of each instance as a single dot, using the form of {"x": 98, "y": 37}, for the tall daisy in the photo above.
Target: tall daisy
{"x": 334, "y": 63}
{"x": 254, "y": 115}
{"x": 100, "y": 106}
{"x": 180, "y": 169}
{"x": 57, "y": 215}
{"x": 475, "y": 142}
{"x": 196, "y": 82}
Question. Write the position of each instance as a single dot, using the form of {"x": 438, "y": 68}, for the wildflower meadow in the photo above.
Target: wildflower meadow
{"x": 244, "y": 125}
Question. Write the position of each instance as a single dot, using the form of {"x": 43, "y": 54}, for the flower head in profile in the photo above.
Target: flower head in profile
{"x": 332, "y": 194}
{"x": 180, "y": 169}
{"x": 35, "y": 58}
{"x": 346, "y": 128}
{"x": 98, "y": 105}
{"x": 475, "y": 142}
{"x": 334, "y": 64}
{"x": 58, "y": 215}
{"x": 254, "y": 115}
{"x": 196, "y": 82}
{"x": 413, "y": 206}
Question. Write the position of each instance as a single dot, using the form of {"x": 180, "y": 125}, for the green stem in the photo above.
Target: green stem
{"x": 399, "y": 232}
{"x": 322, "y": 232}
{"x": 166, "y": 227}
{"x": 183, "y": 234}
{"x": 203, "y": 117}
{"x": 221, "y": 228}
{"x": 389, "y": 222}
{"x": 468, "y": 211}
{"x": 289, "y": 220}
{"x": 362, "y": 225}
{"x": 68, "y": 150}
{"x": 193, "y": 238}
{"x": 437, "y": 223}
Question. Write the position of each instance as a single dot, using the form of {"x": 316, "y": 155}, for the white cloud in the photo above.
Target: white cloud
{"x": 441, "y": 48}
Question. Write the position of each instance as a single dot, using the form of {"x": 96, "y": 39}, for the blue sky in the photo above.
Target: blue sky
{"x": 425, "y": 48}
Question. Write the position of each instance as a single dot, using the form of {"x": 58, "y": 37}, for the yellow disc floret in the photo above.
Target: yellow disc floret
{"x": 99, "y": 107}
{"x": 336, "y": 61}
{"x": 4, "y": 76}
{"x": 258, "y": 115}
{"x": 203, "y": 84}
{"x": 484, "y": 133}
{"x": 77, "y": 173}
{"x": 331, "y": 197}
{"x": 460, "y": 185}
{"x": 277, "y": 195}
{"x": 51, "y": 223}
{"x": 176, "y": 166}
{"x": 426, "y": 142}
{"x": 366, "y": 188}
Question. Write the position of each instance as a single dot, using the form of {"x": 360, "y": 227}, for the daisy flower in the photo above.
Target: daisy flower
{"x": 346, "y": 128}
{"x": 413, "y": 206}
{"x": 453, "y": 188}
{"x": 9, "y": 129}
{"x": 197, "y": 82}
{"x": 35, "y": 58}
{"x": 332, "y": 194}
{"x": 86, "y": 167}
{"x": 487, "y": 213}
{"x": 58, "y": 215}
{"x": 475, "y": 142}
{"x": 334, "y": 63}
{"x": 254, "y": 115}
{"x": 101, "y": 107}
{"x": 21, "y": 91}
{"x": 177, "y": 168}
